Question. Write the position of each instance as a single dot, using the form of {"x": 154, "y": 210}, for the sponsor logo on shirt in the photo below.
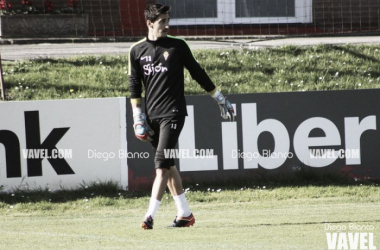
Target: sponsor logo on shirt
{"x": 150, "y": 69}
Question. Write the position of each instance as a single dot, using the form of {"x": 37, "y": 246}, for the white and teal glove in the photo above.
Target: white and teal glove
{"x": 226, "y": 109}
{"x": 142, "y": 130}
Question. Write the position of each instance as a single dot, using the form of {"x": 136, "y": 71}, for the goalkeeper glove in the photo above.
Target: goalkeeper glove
{"x": 226, "y": 109}
{"x": 142, "y": 130}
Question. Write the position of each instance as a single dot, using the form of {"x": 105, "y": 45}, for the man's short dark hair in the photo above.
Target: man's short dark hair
{"x": 152, "y": 11}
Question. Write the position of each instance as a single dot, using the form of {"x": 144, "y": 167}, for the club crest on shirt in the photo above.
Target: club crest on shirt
{"x": 166, "y": 55}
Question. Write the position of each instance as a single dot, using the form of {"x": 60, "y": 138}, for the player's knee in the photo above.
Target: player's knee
{"x": 162, "y": 172}
{"x": 162, "y": 162}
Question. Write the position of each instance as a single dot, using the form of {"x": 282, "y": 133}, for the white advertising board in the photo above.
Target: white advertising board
{"x": 62, "y": 143}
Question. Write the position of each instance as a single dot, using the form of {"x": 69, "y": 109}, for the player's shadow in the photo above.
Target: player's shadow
{"x": 83, "y": 193}
{"x": 272, "y": 179}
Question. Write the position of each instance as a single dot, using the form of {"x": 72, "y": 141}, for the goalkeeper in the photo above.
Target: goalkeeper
{"x": 156, "y": 63}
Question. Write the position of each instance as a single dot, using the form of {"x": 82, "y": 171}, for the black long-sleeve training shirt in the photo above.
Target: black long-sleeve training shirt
{"x": 159, "y": 66}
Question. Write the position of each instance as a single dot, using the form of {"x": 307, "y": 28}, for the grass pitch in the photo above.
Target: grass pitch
{"x": 249, "y": 217}
{"x": 234, "y": 71}
{"x": 256, "y": 217}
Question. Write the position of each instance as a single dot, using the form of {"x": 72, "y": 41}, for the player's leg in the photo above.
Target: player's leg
{"x": 184, "y": 216}
{"x": 170, "y": 133}
{"x": 158, "y": 190}
{"x": 172, "y": 180}
{"x": 175, "y": 182}
{"x": 159, "y": 184}
{"x": 166, "y": 135}
{"x": 170, "y": 129}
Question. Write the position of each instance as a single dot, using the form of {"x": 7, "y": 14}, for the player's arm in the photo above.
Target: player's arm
{"x": 199, "y": 74}
{"x": 142, "y": 130}
{"x": 195, "y": 70}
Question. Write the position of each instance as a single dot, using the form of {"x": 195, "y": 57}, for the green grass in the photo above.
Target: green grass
{"x": 236, "y": 215}
{"x": 100, "y": 216}
{"x": 279, "y": 69}
{"x": 80, "y": 77}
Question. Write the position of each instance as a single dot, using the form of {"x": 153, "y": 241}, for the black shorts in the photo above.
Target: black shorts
{"x": 166, "y": 134}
